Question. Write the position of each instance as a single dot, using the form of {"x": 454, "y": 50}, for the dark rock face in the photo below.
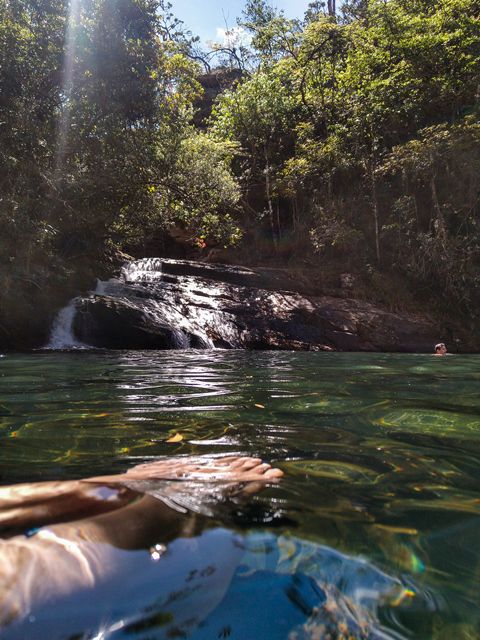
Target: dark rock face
{"x": 213, "y": 84}
{"x": 118, "y": 324}
{"x": 169, "y": 304}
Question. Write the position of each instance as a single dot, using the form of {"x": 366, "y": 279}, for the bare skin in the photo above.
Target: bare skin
{"x": 36, "y": 503}
{"x": 230, "y": 469}
{"x": 95, "y": 516}
{"x": 440, "y": 349}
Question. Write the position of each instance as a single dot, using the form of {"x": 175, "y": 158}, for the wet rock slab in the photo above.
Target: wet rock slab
{"x": 165, "y": 304}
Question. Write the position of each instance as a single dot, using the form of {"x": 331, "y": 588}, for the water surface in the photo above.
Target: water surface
{"x": 373, "y": 533}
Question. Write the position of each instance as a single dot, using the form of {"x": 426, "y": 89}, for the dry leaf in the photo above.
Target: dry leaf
{"x": 176, "y": 438}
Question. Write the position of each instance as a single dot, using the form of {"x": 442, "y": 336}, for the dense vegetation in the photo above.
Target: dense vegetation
{"x": 351, "y": 140}
{"x": 97, "y": 150}
{"x": 364, "y": 132}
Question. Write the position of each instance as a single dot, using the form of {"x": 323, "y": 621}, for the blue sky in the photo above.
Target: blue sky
{"x": 204, "y": 17}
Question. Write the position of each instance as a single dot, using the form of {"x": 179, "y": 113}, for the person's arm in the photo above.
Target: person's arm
{"x": 38, "y": 503}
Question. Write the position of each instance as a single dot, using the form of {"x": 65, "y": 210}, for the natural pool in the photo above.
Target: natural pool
{"x": 373, "y": 532}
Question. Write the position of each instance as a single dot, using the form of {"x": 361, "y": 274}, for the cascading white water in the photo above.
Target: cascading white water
{"x": 143, "y": 270}
{"x": 141, "y": 286}
{"x": 61, "y": 336}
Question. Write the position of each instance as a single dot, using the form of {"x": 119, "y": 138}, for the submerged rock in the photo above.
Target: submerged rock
{"x": 168, "y": 304}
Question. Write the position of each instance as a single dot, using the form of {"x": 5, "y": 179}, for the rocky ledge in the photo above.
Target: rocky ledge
{"x": 164, "y": 304}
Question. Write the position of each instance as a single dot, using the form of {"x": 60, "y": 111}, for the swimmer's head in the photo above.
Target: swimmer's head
{"x": 440, "y": 349}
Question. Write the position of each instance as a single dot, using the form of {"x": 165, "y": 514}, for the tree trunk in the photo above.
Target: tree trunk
{"x": 279, "y": 234}
{"x": 269, "y": 199}
{"x": 439, "y": 223}
{"x": 373, "y": 195}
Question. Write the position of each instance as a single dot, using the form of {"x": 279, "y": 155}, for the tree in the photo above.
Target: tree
{"x": 96, "y": 101}
{"x": 437, "y": 208}
{"x": 258, "y": 114}
{"x": 355, "y": 88}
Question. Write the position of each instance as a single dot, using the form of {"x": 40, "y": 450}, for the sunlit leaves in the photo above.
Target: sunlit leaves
{"x": 204, "y": 192}
{"x": 332, "y": 97}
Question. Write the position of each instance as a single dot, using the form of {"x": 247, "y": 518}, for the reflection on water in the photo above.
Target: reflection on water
{"x": 373, "y": 532}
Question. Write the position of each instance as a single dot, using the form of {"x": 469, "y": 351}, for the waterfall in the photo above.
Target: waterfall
{"x": 61, "y": 336}
{"x": 143, "y": 270}
{"x": 170, "y": 311}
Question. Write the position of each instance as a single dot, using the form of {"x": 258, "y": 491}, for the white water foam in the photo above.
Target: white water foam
{"x": 143, "y": 270}
{"x": 134, "y": 275}
{"x": 61, "y": 336}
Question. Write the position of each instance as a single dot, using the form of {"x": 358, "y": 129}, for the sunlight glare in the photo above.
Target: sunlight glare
{"x": 67, "y": 84}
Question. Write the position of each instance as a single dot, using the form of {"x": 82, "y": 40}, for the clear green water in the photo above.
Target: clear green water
{"x": 373, "y": 533}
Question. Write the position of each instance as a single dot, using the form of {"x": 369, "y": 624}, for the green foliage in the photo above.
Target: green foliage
{"x": 258, "y": 116}
{"x": 370, "y": 122}
{"x": 271, "y": 32}
{"x": 440, "y": 243}
{"x": 355, "y": 137}
{"x": 202, "y": 191}
{"x": 96, "y": 100}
